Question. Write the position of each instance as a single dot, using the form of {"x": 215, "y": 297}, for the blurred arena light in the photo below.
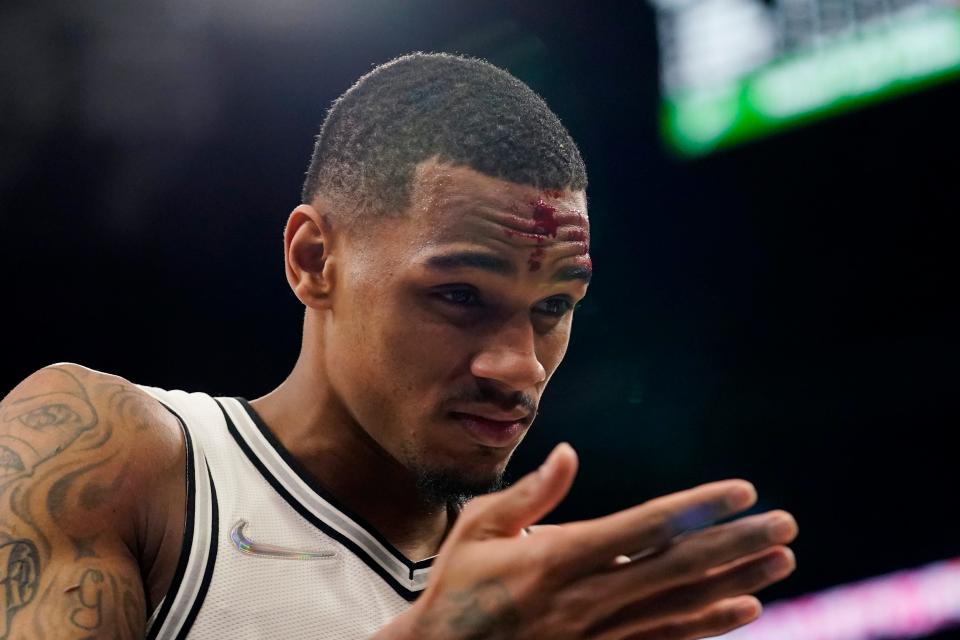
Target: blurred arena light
{"x": 733, "y": 70}
{"x": 906, "y": 604}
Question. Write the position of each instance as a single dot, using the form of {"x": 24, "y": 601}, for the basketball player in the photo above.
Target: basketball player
{"x": 440, "y": 249}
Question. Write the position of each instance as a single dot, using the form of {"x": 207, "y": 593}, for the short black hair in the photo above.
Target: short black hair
{"x": 461, "y": 110}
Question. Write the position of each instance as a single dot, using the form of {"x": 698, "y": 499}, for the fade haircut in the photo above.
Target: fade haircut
{"x": 463, "y": 111}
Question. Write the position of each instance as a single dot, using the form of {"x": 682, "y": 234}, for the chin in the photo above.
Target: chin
{"x": 445, "y": 486}
{"x": 452, "y": 475}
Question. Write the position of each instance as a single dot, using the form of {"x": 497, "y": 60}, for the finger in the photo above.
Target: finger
{"x": 506, "y": 512}
{"x": 716, "y": 620}
{"x": 652, "y": 525}
{"x": 694, "y": 555}
{"x": 719, "y": 547}
{"x": 744, "y": 579}
{"x": 693, "y": 558}
{"x": 781, "y": 531}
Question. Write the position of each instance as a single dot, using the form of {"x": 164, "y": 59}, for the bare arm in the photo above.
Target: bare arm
{"x": 70, "y": 477}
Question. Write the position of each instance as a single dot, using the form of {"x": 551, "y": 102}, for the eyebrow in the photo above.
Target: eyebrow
{"x": 574, "y": 272}
{"x": 473, "y": 260}
{"x": 500, "y": 266}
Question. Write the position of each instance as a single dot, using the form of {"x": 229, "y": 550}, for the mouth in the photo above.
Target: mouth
{"x": 496, "y": 430}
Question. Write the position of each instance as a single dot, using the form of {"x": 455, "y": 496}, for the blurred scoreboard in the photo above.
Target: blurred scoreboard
{"x": 733, "y": 70}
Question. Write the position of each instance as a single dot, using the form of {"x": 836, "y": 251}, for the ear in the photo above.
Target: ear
{"x": 307, "y": 245}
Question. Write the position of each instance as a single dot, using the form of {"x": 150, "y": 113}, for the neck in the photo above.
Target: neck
{"x": 304, "y": 414}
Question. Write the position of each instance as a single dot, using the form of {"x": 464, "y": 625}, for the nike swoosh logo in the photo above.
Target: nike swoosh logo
{"x": 249, "y": 547}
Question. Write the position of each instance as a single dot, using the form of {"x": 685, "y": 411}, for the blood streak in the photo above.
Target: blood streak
{"x": 548, "y": 222}
{"x": 534, "y": 261}
{"x": 545, "y": 224}
{"x": 545, "y": 219}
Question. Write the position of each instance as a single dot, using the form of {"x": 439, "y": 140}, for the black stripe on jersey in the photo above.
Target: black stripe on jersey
{"x": 307, "y": 514}
{"x": 211, "y": 561}
{"x": 305, "y": 475}
{"x": 188, "y": 534}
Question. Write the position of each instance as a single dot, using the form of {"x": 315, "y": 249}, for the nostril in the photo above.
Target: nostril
{"x": 513, "y": 369}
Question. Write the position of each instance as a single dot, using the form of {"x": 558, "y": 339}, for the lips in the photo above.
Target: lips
{"x": 493, "y": 432}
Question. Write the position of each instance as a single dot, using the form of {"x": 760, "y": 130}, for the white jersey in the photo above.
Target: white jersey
{"x": 267, "y": 554}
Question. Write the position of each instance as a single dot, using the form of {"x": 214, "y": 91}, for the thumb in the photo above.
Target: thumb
{"x": 506, "y": 512}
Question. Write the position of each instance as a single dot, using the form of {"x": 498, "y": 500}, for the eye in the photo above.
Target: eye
{"x": 554, "y": 307}
{"x": 460, "y": 296}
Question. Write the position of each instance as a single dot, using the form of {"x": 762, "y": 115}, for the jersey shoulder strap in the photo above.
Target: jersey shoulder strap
{"x": 173, "y": 617}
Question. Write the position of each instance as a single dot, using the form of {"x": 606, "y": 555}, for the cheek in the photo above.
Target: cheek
{"x": 428, "y": 354}
{"x": 553, "y": 347}
{"x": 354, "y": 359}
{"x": 393, "y": 362}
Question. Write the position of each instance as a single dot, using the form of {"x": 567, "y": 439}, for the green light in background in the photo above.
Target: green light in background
{"x": 900, "y": 54}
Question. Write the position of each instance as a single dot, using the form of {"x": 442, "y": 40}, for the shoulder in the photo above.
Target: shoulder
{"x": 92, "y": 488}
{"x": 69, "y": 402}
{"x": 94, "y": 443}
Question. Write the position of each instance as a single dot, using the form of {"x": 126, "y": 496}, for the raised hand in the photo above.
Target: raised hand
{"x": 659, "y": 570}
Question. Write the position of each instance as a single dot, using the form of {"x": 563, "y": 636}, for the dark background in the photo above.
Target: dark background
{"x": 782, "y": 311}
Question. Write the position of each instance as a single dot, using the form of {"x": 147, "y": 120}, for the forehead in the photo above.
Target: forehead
{"x": 456, "y": 203}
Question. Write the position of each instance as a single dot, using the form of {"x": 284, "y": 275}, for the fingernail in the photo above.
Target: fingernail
{"x": 742, "y": 496}
{"x": 547, "y": 467}
{"x": 778, "y": 564}
{"x": 781, "y": 528}
{"x": 746, "y": 609}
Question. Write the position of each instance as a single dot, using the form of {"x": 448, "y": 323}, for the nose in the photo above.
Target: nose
{"x": 510, "y": 358}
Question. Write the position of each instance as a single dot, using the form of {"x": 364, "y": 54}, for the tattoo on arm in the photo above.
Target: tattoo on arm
{"x": 34, "y": 429}
{"x": 123, "y": 400}
{"x": 89, "y": 595}
{"x": 95, "y": 601}
{"x": 50, "y": 445}
{"x": 19, "y": 576}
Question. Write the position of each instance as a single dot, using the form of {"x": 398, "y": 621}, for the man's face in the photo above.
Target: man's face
{"x": 447, "y": 323}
